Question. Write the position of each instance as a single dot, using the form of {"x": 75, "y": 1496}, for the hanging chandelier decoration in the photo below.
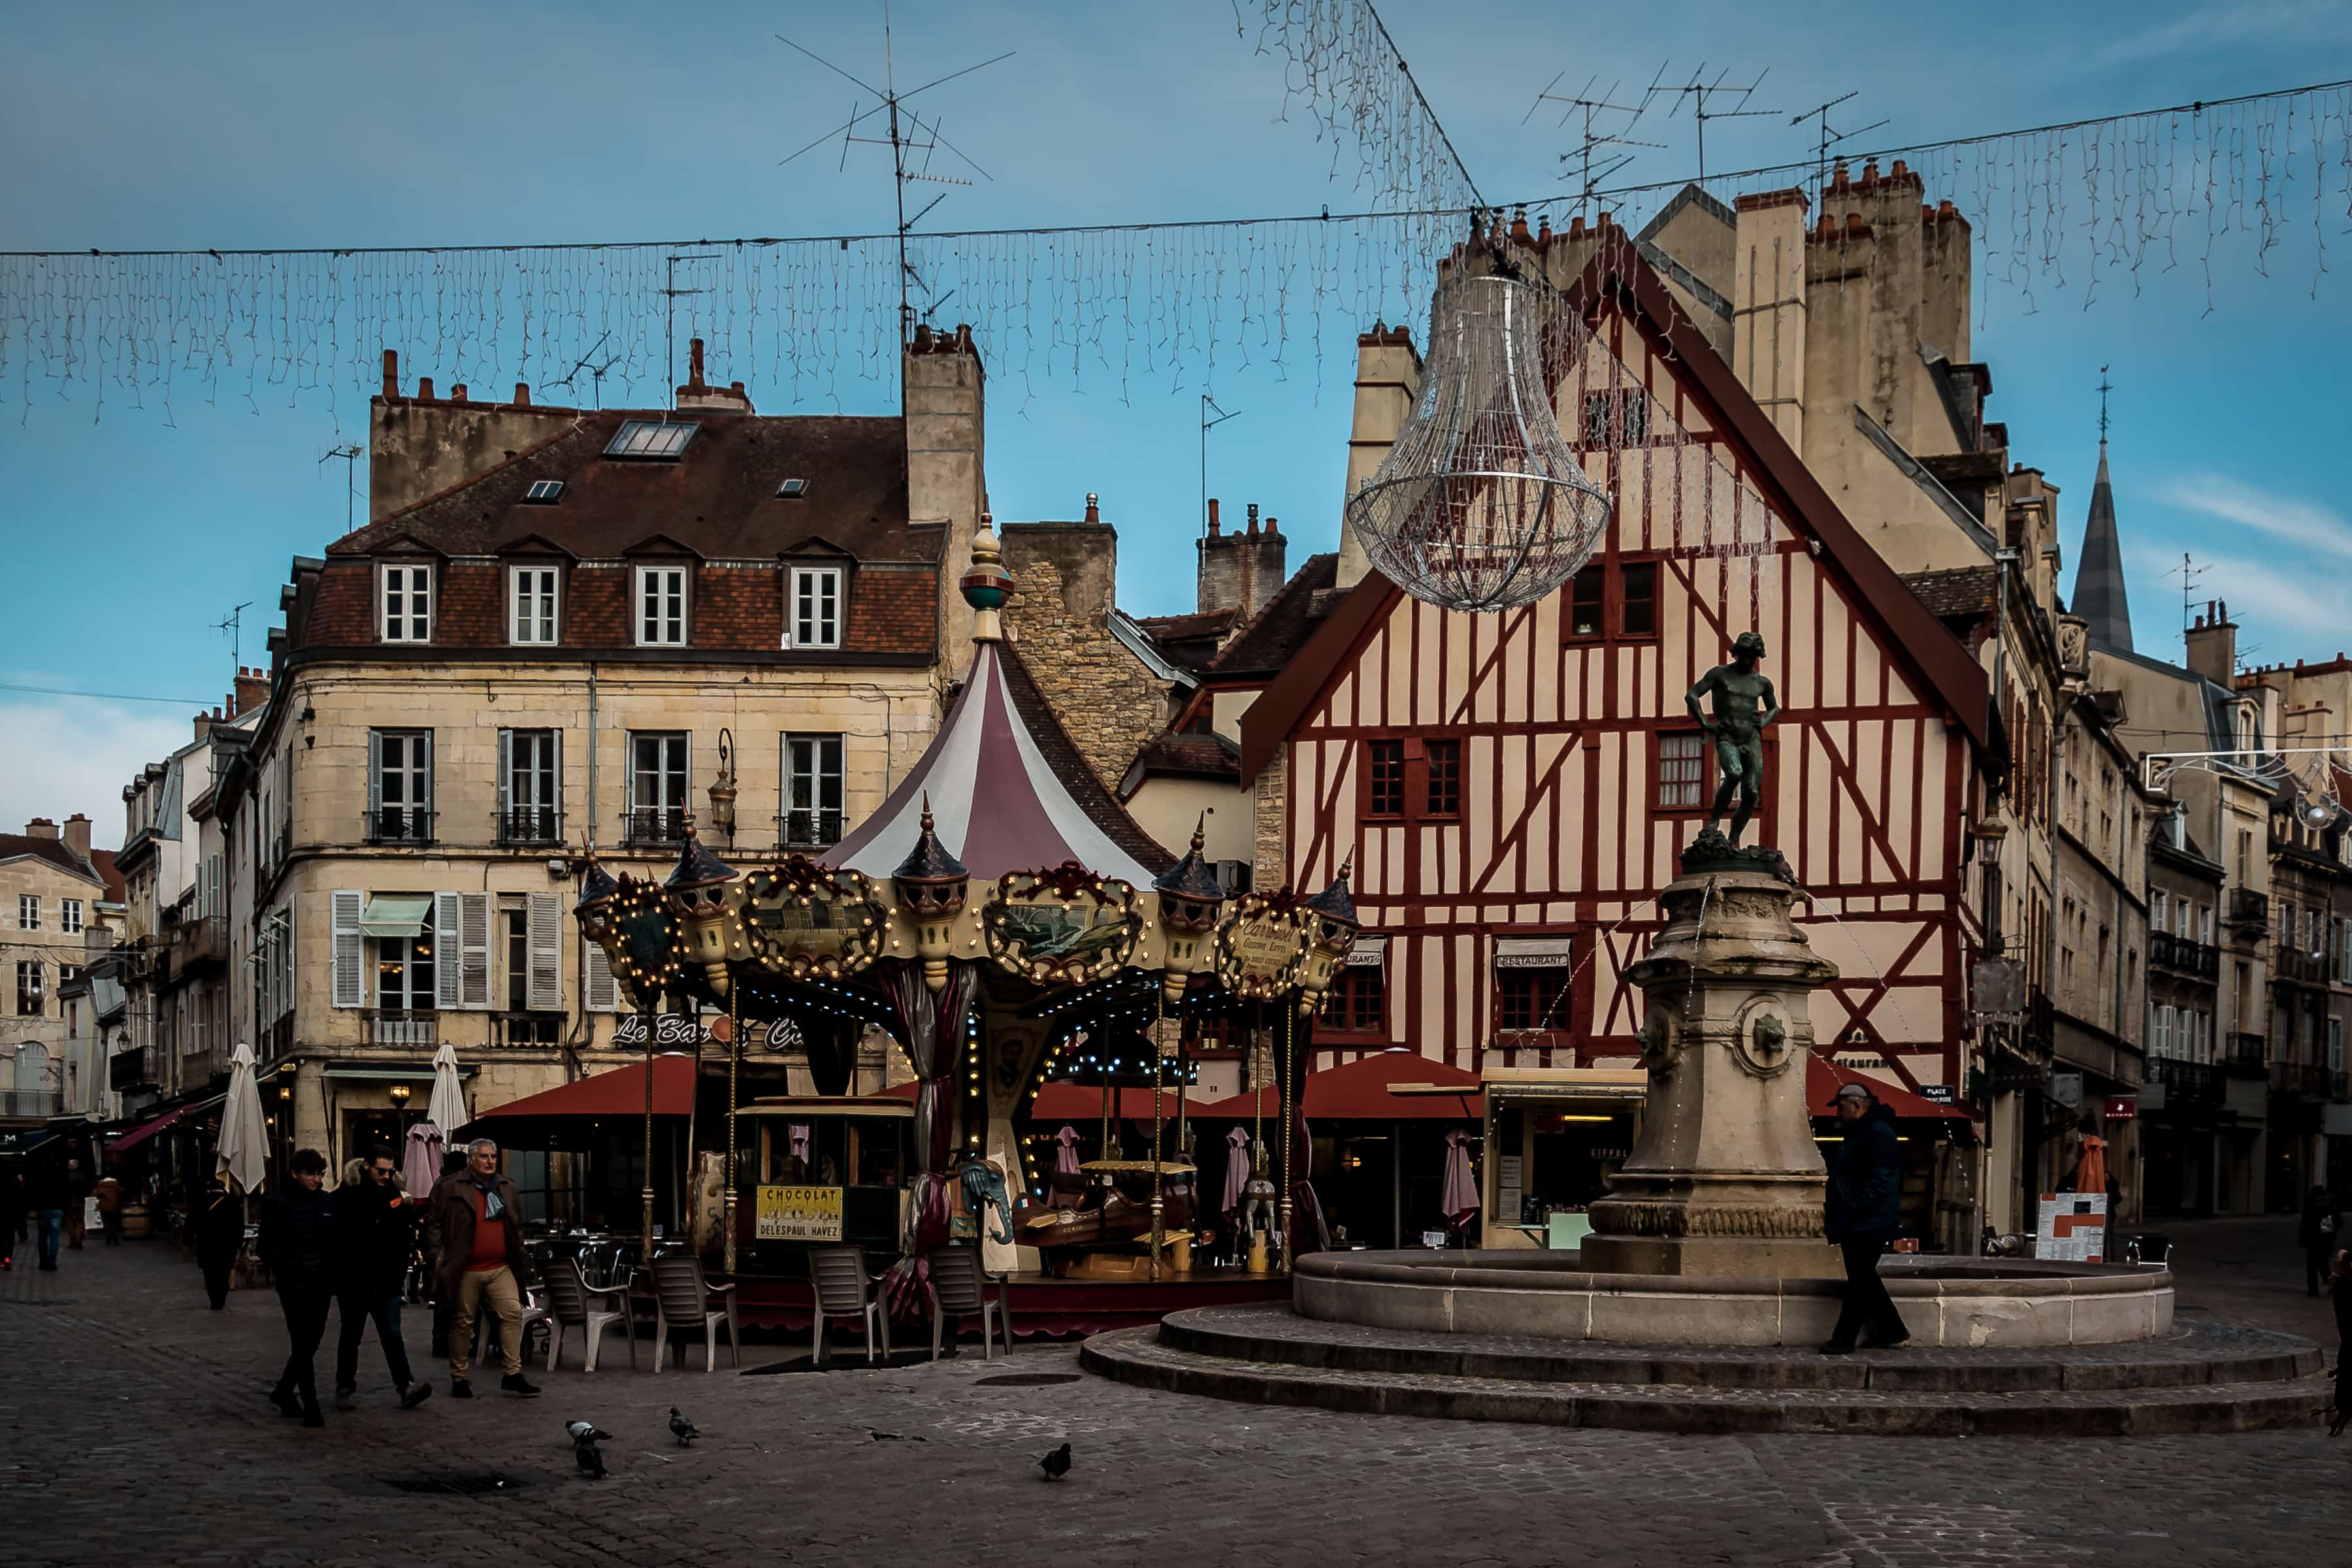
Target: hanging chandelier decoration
{"x": 1482, "y": 504}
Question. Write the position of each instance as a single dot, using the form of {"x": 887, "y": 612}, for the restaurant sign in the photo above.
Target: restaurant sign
{"x": 676, "y": 1031}
{"x": 798, "y": 1213}
{"x": 1262, "y": 946}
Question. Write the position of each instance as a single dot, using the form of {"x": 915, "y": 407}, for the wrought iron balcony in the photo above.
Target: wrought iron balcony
{"x": 808, "y": 829}
{"x": 2186, "y": 1083}
{"x": 403, "y": 1026}
{"x": 652, "y": 827}
{"x": 2309, "y": 1079}
{"x": 2296, "y": 964}
{"x": 2243, "y": 1054}
{"x": 2183, "y": 955}
{"x": 2249, "y": 908}
{"x": 399, "y": 825}
{"x": 526, "y": 1029}
{"x": 530, "y": 824}
{"x": 42, "y": 1103}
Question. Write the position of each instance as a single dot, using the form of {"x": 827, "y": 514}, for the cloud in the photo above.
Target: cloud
{"x": 2287, "y": 518}
{"x": 69, "y": 754}
{"x": 2262, "y": 23}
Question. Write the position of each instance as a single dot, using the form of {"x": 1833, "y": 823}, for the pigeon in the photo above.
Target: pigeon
{"x": 682, "y": 1428}
{"x": 585, "y": 1435}
{"x": 1057, "y": 1464}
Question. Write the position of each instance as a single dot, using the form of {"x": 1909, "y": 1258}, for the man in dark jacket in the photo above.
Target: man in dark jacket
{"x": 297, "y": 1243}
{"x": 12, "y": 1216}
{"x": 220, "y": 1235}
{"x": 477, "y": 1240}
{"x": 49, "y": 1192}
{"x": 2321, "y": 1236}
{"x": 375, "y": 1233}
{"x": 1861, "y": 1208}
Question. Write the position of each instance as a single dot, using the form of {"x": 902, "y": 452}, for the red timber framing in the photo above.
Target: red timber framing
{"x": 1568, "y": 825}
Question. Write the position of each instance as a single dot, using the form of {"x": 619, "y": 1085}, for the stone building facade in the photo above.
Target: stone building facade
{"x": 52, "y": 884}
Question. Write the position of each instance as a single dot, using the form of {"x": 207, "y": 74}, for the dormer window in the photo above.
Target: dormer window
{"x": 544, "y": 493}
{"x": 793, "y": 490}
{"x": 814, "y": 618}
{"x": 651, "y": 440}
{"x": 531, "y": 603}
{"x": 408, "y": 600}
{"x": 661, "y": 607}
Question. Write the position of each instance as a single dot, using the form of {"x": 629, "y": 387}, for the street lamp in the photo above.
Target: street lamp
{"x": 722, "y": 788}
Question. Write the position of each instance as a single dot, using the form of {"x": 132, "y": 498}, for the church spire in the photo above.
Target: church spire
{"x": 2099, "y": 579}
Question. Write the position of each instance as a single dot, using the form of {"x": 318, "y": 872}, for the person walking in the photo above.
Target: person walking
{"x": 220, "y": 1236}
{"x": 297, "y": 1243}
{"x": 46, "y": 1194}
{"x": 1861, "y": 1205}
{"x": 12, "y": 1211}
{"x": 77, "y": 1205}
{"x": 109, "y": 1194}
{"x": 2320, "y": 1234}
{"x": 445, "y": 1306}
{"x": 477, "y": 1236}
{"x": 375, "y": 1230}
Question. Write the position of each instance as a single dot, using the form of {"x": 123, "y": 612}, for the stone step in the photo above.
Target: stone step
{"x": 1136, "y": 1356}
{"x": 2192, "y": 1354}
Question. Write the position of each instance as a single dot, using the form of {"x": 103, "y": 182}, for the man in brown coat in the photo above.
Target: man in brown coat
{"x": 477, "y": 1240}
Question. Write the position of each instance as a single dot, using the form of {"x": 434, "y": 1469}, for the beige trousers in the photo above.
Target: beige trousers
{"x": 498, "y": 1286}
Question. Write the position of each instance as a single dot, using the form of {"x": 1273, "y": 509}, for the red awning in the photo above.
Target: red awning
{"x": 620, "y": 1092}
{"x": 1063, "y": 1101}
{"x": 1358, "y": 1091}
{"x": 138, "y": 1135}
{"x": 1824, "y": 1078}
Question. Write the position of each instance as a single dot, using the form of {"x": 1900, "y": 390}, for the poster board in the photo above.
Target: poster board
{"x": 2072, "y": 1228}
{"x": 798, "y": 1213}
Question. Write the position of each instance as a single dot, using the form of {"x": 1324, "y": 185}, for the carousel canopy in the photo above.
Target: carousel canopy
{"x": 1008, "y": 792}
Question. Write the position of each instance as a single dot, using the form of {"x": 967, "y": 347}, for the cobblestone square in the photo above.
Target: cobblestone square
{"x": 137, "y": 1434}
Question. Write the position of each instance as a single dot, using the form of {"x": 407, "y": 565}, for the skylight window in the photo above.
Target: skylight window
{"x": 793, "y": 490}
{"x": 544, "y": 493}
{"x": 651, "y": 440}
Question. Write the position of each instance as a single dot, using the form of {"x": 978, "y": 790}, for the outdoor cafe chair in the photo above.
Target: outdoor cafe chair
{"x": 682, "y": 1300}
{"x": 958, "y": 1290}
{"x": 573, "y": 1303}
{"x": 837, "y": 1274}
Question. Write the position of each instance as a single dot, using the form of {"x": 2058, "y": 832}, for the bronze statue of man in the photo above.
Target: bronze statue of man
{"x": 1743, "y": 703}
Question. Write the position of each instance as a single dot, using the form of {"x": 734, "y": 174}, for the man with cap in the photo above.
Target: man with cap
{"x": 1860, "y": 1207}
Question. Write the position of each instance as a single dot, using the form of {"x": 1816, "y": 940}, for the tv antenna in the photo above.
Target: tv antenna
{"x": 1591, "y": 171}
{"x": 233, "y": 625}
{"x": 1209, "y": 406}
{"x": 349, "y": 453}
{"x": 1830, "y": 137}
{"x": 670, "y": 291}
{"x": 912, "y": 143}
{"x": 1699, "y": 89}
{"x": 2191, "y": 574}
{"x": 596, "y": 371}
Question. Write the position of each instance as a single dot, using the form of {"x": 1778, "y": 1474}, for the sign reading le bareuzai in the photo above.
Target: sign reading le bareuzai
{"x": 1261, "y": 946}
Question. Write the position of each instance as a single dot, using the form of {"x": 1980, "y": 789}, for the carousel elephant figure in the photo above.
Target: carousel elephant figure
{"x": 1258, "y": 1212}
{"x": 983, "y": 1186}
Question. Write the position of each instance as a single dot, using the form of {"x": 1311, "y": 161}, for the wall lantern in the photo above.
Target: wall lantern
{"x": 722, "y": 788}
{"x": 1990, "y": 834}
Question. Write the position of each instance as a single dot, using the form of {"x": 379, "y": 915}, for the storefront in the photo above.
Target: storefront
{"x": 1555, "y": 1135}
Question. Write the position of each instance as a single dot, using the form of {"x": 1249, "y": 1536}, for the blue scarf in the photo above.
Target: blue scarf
{"x": 493, "y": 1207}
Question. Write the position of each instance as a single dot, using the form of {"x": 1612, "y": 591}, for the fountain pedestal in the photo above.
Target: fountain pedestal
{"x": 1724, "y": 1180}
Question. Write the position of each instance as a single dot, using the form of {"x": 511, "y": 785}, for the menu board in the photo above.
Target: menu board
{"x": 2072, "y": 1228}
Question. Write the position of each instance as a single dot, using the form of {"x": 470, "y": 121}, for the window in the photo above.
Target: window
{"x": 661, "y": 607}
{"x": 2156, "y": 909}
{"x": 1385, "y": 778}
{"x": 408, "y": 603}
{"x": 28, "y": 987}
{"x": 2205, "y": 933}
{"x": 657, "y": 788}
{"x": 1357, "y": 1001}
{"x": 793, "y": 490}
{"x": 1585, "y": 594}
{"x": 813, "y": 791}
{"x": 651, "y": 440}
{"x": 29, "y": 912}
{"x": 529, "y": 807}
{"x": 1442, "y": 792}
{"x": 1528, "y": 999}
{"x": 2335, "y": 1045}
{"x": 400, "y": 786}
{"x": 405, "y": 973}
{"x": 544, "y": 493}
{"x": 530, "y": 605}
{"x": 1682, "y": 770}
{"x": 816, "y": 607}
{"x": 1637, "y": 605}
{"x": 2160, "y": 1037}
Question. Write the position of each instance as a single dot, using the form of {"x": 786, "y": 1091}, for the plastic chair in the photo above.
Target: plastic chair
{"x": 534, "y": 1315}
{"x": 573, "y": 1303}
{"x": 958, "y": 1290}
{"x": 682, "y": 1300}
{"x": 838, "y": 1276}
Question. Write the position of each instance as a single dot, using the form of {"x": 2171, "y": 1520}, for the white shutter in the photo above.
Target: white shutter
{"x": 544, "y": 934}
{"x": 506, "y": 779}
{"x": 602, "y": 995}
{"x": 375, "y": 780}
{"x": 445, "y": 958}
{"x": 474, "y": 949}
{"x": 350, "y": 951}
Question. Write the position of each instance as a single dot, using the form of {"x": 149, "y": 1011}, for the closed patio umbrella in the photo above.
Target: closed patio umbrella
{"x": 448, "y": 1105}
{"x": 242, "y": 1153}
{"x": 1459, "y": 1197}
{"x": 421, "y": 1164}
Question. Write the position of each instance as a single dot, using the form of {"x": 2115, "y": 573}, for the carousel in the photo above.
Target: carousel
{"x": 1029, "y": 951}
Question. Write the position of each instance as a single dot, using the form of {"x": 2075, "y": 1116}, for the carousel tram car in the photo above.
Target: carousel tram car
{"x": 825, "y": 1172}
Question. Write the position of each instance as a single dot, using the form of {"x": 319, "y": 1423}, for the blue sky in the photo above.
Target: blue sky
{"x": 157, "y": 125}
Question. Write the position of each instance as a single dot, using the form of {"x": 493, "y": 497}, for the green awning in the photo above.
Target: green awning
{"x": 375, "y": 1072}
{"x": 397, "y": 914}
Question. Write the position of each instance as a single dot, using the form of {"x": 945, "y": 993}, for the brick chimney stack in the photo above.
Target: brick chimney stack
{"x": 2213, "y": 645}
{"x": 40, "y": 827}
{"x": 698, "y": 392}
{"x": 77, "y": 835}
{"x": 252, "y": 692}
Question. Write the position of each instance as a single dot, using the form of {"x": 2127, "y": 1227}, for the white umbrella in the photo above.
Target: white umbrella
{"x": 242, "y": 1154}
{"x": 448, "y": 1110}
{"x": 422, "y": 1167}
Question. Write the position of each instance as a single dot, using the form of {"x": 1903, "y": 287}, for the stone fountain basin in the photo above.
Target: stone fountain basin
{"x": 1947, "y": 1302}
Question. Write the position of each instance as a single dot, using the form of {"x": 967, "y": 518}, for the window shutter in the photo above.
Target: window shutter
{"x": 600, "y": 995}
{"x": 506, "y": 779}
{"x": 544, "y": 934}
{"x": 424, "y": 743}
{"x": 344, "y": 917}
{"x": 376, "y": 778}
{"x": 445, "y": 958}
{"x": 474, "y": 949}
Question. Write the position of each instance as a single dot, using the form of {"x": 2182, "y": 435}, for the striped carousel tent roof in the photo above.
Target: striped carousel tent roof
{"x": 1007, "y": 792}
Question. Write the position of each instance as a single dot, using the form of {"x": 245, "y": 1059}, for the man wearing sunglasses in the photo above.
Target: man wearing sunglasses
{"x": 375, "y": 1229}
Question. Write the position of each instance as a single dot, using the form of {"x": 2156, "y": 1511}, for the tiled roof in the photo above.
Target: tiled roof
{"x": 103, "y": 861}
{"x": 1960, "y": 591}
{"x": 1197, "y": 756}
{"x": 1266, "y": 646}
{"x": 53, "y": 850}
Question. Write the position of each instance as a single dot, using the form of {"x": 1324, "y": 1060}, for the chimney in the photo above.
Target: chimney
{"x": 947, "y": 444}
{"x": 697, "y": 391}
{"x": 522, "y": 394}
{"x": 1388, "y": 378}
{"x": 2213, "y": 645}
{"x": 40, "y": 827}
{"x": 77, "y": 835}
{"x": 1267, "y": 572}
{"x": 1768, "y": 317}
{"x": 391, "y": 373}
{"x": 423, "y": 389}
{"x": 252, "y": 692}
{"x": 694, "y": 363}
{"x": 1215, "y": 526}
{"x": 1094, "y": 507}
{"x": 1218, "y": 585}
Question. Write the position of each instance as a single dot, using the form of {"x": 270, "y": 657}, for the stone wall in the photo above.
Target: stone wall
{"x": 1059, "y": 617}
